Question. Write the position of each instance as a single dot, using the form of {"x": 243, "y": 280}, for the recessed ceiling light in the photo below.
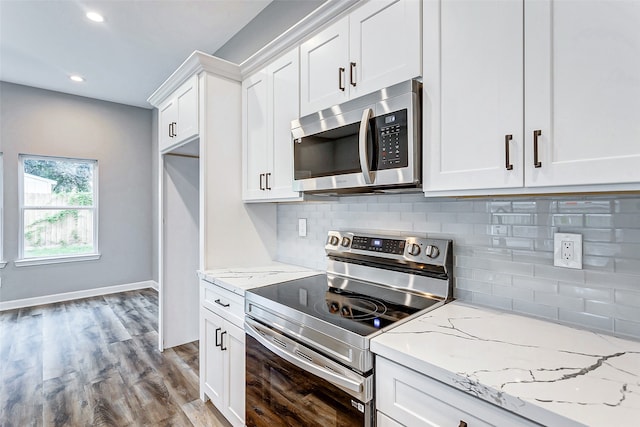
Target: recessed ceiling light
{"x": 76, "y": 78}
{"x": 95, "y": 17}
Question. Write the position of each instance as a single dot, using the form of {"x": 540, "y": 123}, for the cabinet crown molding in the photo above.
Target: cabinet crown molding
{"x": 196, "y": 62}
{"x": 295, "y": 35}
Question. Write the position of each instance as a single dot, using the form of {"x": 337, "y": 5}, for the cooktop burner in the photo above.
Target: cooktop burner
{"x": 354, "y": 305}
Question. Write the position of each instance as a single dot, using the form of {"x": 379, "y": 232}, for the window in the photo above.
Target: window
{"x": 58, "y": 210}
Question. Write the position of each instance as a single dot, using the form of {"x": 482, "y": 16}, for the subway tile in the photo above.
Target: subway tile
{"x": 598, "y": 220}
{"x": 559, "y": 273}
{"x": 585, "y": 206}
{"x": 512, "y": 218}
{"x": 498, "y": 206}
{"x": 608, "y": 280}
{"x": 465, "y": 273}
{"x": 617, "y": 311}
{"x": 426, "y": 206}
{"x": 544, "y": 245}
{"x": 410, "y": 198}
{"x": 589, "y": 320}
{"x": 626, "y": 297}
{"x": 531, "y": 206}
{"x": 462, "y": 294}
{"x": 472, "y": 285}
{"x": 464, "y": 229}
{"x": 593, "y": 234}
{"x": 536, "y": 257}
{"x": 512, "y": 243}
{"x": 493, "y": 230}
{"x": 534, "y": 309}
{"x": 490, "y": 253}
{"x": 474, "y": 218}
{"x": 427, "y": 227}
{"x": 512, "y": 292}
{"x": 626, "y": 328}
{"x": 535, "y": 284}
{"x": 543, "y": 219}
{"x": 581, "y": 291}
{"x": 532, "y": 231}
{"x": 401, "y": 207}
{"x": 627, "y": 235}
{"x": 627, "y": 266}
{"x": 602, "y": 249}
{"x": 627, "y": 205}
{"x": 441, "y": 217}
{"x": 413, "y": 217}
{"x": 567, "y": 220}
{"x": 598, "y": 263}
{"x": 561, "y": 301}
{"x": 493, "y": 277}
{"x": 494, "y": 301}
{"x": 457, "y": 206}
{"x": 339, "y": 207}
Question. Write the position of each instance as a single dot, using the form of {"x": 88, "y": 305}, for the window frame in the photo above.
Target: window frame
{"x": 22, "y": 261}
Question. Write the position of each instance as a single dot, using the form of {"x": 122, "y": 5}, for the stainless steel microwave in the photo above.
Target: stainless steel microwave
{"x": 368, "y": 144}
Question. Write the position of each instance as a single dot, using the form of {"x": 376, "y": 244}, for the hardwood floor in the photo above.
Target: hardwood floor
{"x": 95, "y": 362}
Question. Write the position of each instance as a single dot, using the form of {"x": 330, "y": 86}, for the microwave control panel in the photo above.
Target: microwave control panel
{"x": 393, "y": 145}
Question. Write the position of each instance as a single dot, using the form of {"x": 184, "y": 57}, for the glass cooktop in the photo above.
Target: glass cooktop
{"x": 354, "y": 305}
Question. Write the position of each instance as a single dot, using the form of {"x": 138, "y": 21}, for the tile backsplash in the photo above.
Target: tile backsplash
{"x": 503, "y": 249}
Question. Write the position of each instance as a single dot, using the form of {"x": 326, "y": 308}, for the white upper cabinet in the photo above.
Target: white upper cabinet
{"x": 582, "y": 91}
{"x": 270, "y": 100}
{"x": 576, "y": 99}
{"x": 178, "y": 115}
{"x": 473, "y": 94}
{"x": 376, "y": 45}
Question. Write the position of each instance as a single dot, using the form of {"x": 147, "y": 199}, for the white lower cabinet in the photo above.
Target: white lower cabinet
{"x": 222, "y": 345}
{"x": 405, "y": 397}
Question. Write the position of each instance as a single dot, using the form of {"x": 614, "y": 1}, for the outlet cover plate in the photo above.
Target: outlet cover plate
{"x": 558, "y": 260}
{"x": 302, "y": 227}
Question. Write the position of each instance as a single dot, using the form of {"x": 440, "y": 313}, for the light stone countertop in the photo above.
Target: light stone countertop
{"x": 549, "y": 373}
{"x": 239, "y": 279}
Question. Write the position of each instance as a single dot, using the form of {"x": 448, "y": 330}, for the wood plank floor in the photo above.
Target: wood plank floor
{"x": 95, "y": 362}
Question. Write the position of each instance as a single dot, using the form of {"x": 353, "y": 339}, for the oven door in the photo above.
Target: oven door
{"x": 289, "y": 384}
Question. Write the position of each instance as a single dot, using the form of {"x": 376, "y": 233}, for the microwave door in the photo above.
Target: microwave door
{"x": 365, "y": 146}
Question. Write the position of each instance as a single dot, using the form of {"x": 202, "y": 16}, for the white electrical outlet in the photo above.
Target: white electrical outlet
{"x": 567, "y": 250}
{"x": 302, "y": 227}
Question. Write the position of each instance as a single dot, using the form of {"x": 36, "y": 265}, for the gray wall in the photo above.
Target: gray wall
{"x": 36, "y": 121}
{"x": 503, "y": 249}
{"x": 273, "y": 20}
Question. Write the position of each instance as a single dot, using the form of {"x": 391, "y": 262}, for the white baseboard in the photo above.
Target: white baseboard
{"x": 69, "y": 296}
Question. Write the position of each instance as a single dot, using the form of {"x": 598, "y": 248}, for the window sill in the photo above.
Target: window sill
{"x": 55, "y": 260}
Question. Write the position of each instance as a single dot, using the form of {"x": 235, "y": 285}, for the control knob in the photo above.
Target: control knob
{"x": 432, "y": 251}
{"x": 334, "y": 240}
{"x": 413, "y": 249}
{"x": 346, "y": 241}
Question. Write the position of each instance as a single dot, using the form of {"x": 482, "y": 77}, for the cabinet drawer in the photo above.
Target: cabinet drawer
{"x": 224, "y": 303}
{"x": 416, "y": 400}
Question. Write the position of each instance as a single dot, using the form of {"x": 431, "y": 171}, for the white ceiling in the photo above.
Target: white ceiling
{"x": 125, "y": 58}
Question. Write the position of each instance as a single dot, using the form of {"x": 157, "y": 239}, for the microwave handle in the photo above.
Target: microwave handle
{"x": 363, "y": 146}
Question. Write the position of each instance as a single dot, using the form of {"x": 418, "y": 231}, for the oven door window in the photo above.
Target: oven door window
{"x": 282, "y": 394}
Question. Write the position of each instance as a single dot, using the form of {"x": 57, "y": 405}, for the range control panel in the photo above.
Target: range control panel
{"x": 416, "y": 249}
{"x": 378, "y": 244}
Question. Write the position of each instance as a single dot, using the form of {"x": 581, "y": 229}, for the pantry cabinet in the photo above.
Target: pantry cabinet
{"x": 178, "y": 115}
{"x": 222, "y": 345}
{"x": 533, "y": 94}
{"x": 375, "y": 46}
{"x": 270, "y": 100}
{"x": 407, "y": 398}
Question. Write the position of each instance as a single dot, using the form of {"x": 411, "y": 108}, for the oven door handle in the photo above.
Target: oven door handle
{"x": 363, "y": 148}
{"x": 332, "y": 377}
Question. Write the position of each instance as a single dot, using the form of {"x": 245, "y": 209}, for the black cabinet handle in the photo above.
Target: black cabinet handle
{"x": 221, "y": 303}
{"x": 218, "y": 344}
{"x": 341, "y": 78}
{"x": 222, "y": 347}
{"x": 507, "y": 140}
{"x": 261, "y": 184}
{"x": 352, "y": 77}
{"x": 536, "y": 162}
{"x": 268, "y": 185}
{"x": 172, "y": 129}
{"x": 462, "y": 424}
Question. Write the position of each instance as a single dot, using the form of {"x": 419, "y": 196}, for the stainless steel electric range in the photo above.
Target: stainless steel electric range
{"x": 308, "y": 360}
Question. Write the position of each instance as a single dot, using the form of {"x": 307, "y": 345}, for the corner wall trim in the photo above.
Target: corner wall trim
{"x": 69, "y": 296}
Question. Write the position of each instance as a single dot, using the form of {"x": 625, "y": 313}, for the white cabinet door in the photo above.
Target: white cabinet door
{"x": 284, "y": 104}
{"x": 233, "y": 349}
{"x": 582, "y": 70}
{"x": 187, "y": 101}
{"x": 384, "y": 39}
{"x": 254, "y": 136}
{"x": 212, "y": 360}
{"x": 324, "y": 60}
{"x": 473, "y": 94}
{"x": 168, "y": 117}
